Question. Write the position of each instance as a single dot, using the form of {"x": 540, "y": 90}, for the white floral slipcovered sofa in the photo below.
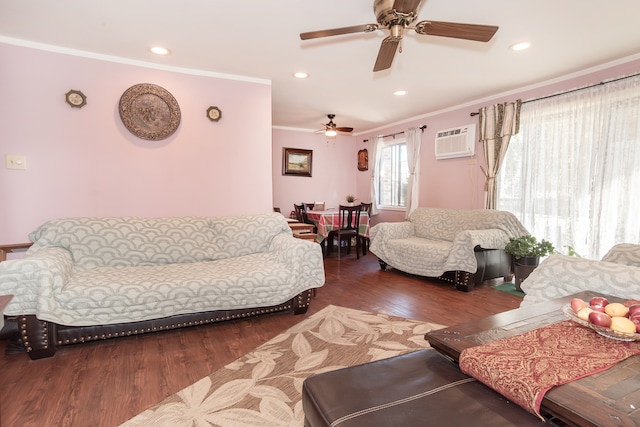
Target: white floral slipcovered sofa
{"x": 456, "y": 245}
{"x": 93, "y": 278}
{"x": 617, "y": 274}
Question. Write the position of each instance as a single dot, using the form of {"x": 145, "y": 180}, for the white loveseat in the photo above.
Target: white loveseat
{"x": 617, "y": 274}
{"x": 93, "y": 278}
{"x": 456, "y": 245}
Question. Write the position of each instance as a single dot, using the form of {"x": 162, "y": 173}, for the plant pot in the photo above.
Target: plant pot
{"x": 522, "y": 267}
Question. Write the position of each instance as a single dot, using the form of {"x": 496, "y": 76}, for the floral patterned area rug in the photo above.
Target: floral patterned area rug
{"x": 263, "y": 387}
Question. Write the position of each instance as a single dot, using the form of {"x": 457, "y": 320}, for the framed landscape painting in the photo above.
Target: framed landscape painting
{"x": 296, "y": 161}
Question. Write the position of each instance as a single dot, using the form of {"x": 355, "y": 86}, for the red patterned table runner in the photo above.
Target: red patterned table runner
{"x": 524, "y": 367}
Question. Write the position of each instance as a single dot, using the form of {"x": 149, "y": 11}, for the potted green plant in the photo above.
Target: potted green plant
{"x": 526, "y": 252}
{"x": 350, "y": 199}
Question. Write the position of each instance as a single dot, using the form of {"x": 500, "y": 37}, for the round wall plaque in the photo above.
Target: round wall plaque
{"x": 149, "y": 111}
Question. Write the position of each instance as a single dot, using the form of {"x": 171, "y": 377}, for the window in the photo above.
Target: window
{"x": 571, "y": 175}
{"x": 392, "y": 175}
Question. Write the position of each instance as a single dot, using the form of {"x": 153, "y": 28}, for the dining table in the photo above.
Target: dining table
{"x": 329, "y": 220}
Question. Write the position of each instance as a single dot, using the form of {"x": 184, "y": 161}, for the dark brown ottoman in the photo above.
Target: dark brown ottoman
{"x": 422, "y": 388}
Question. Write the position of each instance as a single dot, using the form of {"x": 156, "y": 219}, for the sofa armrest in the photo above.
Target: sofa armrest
{"x": 391, "y": 230}
{"x": 303, "y": 257}
{"x": 380, "y": 234}
{"x": 491, "y": 238}
{"x": 462, "y": 257}
{"x": 624, "y": 253}
{"x": 33, "y": 276}
{"x": 562, "y": 275}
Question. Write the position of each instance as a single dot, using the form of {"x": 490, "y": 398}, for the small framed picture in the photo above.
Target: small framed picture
{"x": 296, "y": 161}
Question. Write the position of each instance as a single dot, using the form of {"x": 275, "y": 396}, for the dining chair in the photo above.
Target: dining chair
{"x": 309, "y": 207}
{"x": 348, "y": 225}
{"x": 300, "y": 212}
{"x": 365, "y": 241}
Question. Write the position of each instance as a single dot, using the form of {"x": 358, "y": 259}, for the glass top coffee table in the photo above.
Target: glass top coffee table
{"x": 609, "y": 398}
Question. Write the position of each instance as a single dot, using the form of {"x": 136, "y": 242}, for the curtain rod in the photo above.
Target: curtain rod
{"x": 573, "y": 90}
{"x": 422, "y": 128}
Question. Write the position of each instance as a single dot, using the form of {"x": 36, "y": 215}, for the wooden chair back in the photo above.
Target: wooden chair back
{"x": 364, "y": 241}
{"x": 350, "y": 217}
{"x": 349, "y": 224}
{"x": 366, "y": 207}
{"x": 300, "y": 210}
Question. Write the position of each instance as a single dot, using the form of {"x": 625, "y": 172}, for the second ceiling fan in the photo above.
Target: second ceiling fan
{"x": 398, "y": 16}
{"x": 331, "y": 130}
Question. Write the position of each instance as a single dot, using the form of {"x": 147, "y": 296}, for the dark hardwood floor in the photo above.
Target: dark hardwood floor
{"x": 105, "y": 383}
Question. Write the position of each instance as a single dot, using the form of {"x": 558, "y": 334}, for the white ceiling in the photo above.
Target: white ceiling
{"x": 260, "y": 39}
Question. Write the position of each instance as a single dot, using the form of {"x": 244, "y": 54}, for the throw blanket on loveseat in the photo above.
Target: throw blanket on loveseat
{"x": 99, "y": 271}
{"x": 436, "y": 240}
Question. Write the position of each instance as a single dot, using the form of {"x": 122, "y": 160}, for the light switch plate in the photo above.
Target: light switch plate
{"x": 16, "y": 161}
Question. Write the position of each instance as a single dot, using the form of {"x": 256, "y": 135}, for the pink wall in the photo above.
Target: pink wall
{"x": 459, "y": 183}
{"x": 84, "y": 162}
{"x": 334, "y": 170}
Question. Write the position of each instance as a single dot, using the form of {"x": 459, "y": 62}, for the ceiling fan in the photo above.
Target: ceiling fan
{"x": 331, "y": 130}
{"x": 398, "y": 16}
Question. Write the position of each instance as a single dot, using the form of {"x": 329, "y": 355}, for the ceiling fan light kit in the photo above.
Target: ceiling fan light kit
{"x": 398, "y": 16}
{"x": 331, "y": 130}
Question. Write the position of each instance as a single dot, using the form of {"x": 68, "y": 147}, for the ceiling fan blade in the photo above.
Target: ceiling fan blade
{"x": 344, "y": 129}
{"x": 386, "y": 53}
{"x": 480, "y": 33}
{"x": 367, "y": 28}
{"x": 406, "y": 6}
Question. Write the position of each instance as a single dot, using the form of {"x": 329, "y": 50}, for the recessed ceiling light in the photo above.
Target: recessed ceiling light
{"x": 400, "y": 92}
{"x": 160, "y": 50}
{"x": 300, "y": 75}
{"x": 520, "y": 46}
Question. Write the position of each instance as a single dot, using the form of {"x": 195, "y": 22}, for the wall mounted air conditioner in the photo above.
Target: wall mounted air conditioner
{"x": 458, "y": 142}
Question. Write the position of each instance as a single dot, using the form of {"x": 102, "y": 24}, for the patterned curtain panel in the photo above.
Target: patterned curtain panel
{"x": 497, "y": 123}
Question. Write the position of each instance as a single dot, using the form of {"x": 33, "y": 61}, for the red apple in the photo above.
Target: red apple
{"x": 600, "y": 319}
{"x": 633, "y": 309}
{"x": 599, "y": 308}
{"x": 598, "y": 302}
{"x": 636, "y": 321}
{"x": 577, "y": 304}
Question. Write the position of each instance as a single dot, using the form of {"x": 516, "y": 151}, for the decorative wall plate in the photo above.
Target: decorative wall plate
{"x": 363, "y": 160}
{"x": 149, "y": 111}
{"x": 75, "y": 98}
{"x": 214, "y": 114}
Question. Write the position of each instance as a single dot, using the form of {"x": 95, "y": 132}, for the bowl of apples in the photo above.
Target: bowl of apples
{"x": 616, "y": 320}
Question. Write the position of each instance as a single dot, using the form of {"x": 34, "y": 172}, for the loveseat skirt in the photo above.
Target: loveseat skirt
{"x": 492, "y": 263}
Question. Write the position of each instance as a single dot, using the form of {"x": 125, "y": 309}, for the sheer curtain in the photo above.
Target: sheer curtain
{"x": 572, "y": 173}
{"x": 414, "y": 141}
{"x": 374, "y": 157}
{"x": 497, "y": 124}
